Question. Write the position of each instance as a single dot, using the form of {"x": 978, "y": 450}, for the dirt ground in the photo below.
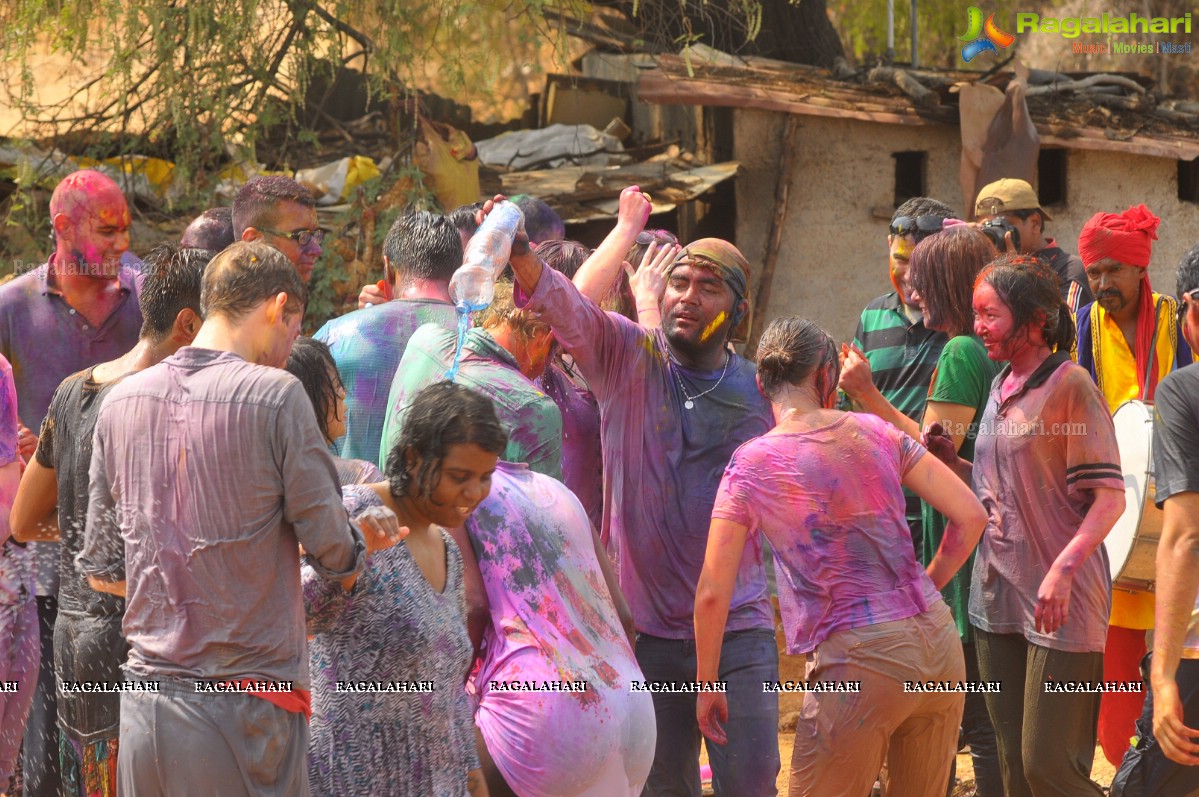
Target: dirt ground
{"x": 792, "y": 668}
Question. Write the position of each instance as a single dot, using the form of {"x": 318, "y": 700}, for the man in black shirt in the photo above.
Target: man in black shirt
{"x": 1165, "y": 758}
{"x": 1016, "y": 202}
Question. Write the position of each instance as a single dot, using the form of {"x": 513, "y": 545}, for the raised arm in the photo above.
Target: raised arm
{"x": 600, "y": 271}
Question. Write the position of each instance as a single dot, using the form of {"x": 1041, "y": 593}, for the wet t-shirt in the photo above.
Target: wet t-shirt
{"x": 208, "y": 473}
{"x": 662, "y": 461}
{"x": 552, "y": 621}
{"x": 582, "y": 464}
{"x": 1176, "y": 455}
{"x": 367, "y": 345}
{"x": 830, "y": 501}
{"x": 530, "y": 417}
{"x": 1039, "y": 456}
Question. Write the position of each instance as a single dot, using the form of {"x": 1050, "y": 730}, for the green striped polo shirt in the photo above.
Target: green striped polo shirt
{"x": 903, "y": 357}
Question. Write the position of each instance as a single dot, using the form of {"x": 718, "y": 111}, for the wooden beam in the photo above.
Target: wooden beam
{"x": 658, "y": 88}
{"x": 1086, "y": 138}
{"x": 782, "y": 195}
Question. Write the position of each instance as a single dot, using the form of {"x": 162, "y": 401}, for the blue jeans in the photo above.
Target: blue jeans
{"x": 748, "y": 766}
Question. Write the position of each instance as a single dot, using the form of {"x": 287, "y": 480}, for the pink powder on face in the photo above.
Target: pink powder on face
{"x": 96, "y": 233}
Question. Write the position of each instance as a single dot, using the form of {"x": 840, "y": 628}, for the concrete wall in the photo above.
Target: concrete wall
{"x": 833, "y": 257}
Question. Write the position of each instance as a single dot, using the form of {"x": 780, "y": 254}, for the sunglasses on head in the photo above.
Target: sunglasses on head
{"x": 661, "y": 236}
{"x": 918, "y": 226}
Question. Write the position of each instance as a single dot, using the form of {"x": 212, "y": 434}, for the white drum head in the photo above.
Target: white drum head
{"x": 1134, "y": 435}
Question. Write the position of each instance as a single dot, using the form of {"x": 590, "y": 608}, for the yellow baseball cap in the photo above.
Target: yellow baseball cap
{"x": 1005, "y": 196}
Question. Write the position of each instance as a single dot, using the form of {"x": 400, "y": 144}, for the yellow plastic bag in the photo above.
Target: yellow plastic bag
{"x": 450, "y": 164}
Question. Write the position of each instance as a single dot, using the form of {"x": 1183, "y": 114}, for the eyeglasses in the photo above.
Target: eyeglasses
{"x": 1183, "y": 302}
{"x": 301, "y": 237}
{"x": 918, "y": 226}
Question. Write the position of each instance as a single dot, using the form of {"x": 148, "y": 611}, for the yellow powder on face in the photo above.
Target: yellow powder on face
{"x": 715, "y": 325}
{"x": 904, "y": 247}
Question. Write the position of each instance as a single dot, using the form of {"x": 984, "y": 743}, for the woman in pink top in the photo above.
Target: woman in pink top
{"x": 557, "y": 712}
{"x": 824, "y": 486}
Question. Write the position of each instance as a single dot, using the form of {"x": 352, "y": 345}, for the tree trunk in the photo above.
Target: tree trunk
{"x": 799, "y": 32}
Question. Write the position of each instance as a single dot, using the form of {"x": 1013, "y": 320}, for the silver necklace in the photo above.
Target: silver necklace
{"x": 690, "y": 402}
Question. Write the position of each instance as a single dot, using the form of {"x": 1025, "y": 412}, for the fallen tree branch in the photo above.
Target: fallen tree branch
{"x": 1085, "y": 83}
{"x": 910, "y": 85}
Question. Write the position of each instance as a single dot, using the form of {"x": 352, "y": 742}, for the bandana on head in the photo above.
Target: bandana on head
{"x": 727, "y": 261}
{"x": 1128, "y": 238}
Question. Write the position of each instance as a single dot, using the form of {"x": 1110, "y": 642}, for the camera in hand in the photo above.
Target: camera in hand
{"x": 995, "y": 229}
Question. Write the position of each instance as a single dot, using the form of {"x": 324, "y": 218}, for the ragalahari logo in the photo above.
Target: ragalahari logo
{"x": 983, "y": 36}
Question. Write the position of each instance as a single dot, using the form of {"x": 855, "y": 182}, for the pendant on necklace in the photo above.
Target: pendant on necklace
{"x": 689, "y": 404}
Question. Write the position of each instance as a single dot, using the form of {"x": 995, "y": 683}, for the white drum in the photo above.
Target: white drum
{"x": 1132, "y": 543}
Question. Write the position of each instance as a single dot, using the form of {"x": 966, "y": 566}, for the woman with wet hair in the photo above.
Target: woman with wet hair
{"x": 1047, "y": 469}
{"x": 824, "y": 486}
{"x": 390, "y": 656}
{"x": 942, "y": 271}
{"x": 312, "y": 363}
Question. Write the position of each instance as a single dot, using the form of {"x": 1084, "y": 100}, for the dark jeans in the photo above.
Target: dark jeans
{"x": 1046, "y": 739}
{"x": 1145, "y": 771}
{"x": 748, "y": 766}
{"x": 979, "y": 733}
{"x": 39, "y": 754}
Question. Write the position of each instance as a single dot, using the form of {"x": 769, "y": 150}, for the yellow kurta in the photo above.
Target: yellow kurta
{"x": 1117, "y": 371}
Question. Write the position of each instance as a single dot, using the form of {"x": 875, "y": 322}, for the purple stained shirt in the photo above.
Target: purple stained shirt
{"x": 46, "y": 340}
{"x": 367, "y": 345}
{"x": 553, "y": 620}
{"x": 662, "y": 462}
{"x": 830, "y": 502}
{"x": 15, "y": 571}
{"x": 582, "y": 464}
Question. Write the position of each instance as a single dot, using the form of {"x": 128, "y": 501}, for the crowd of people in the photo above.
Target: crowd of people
{"x": 240, "y": 561}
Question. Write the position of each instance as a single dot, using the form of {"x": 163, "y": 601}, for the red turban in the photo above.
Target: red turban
{"x": 1125, "y": 237}
{"x": 1128, "y": 238}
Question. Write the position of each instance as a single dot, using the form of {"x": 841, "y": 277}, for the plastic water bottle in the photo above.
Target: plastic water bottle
{"x": 473, "y": 285}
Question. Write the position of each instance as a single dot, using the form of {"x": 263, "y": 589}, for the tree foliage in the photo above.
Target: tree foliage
{"x": 198, "y": 78}
{"x": 863, "y": 26}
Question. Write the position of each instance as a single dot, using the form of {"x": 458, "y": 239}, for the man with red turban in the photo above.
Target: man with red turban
{"x": 1128, "y": 340}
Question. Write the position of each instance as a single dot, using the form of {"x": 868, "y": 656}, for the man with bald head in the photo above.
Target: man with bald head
{"x": 282, "y": 213}
{"x": 211, "y": 230}
{"x": 78, "y": 309}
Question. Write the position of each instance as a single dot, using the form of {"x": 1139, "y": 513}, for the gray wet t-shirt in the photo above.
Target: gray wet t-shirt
{"x": 208, "y": 473}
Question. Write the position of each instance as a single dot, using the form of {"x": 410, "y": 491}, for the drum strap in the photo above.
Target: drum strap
{"x": 1093, "y": 362}
{"x": 1150, "y": 377}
